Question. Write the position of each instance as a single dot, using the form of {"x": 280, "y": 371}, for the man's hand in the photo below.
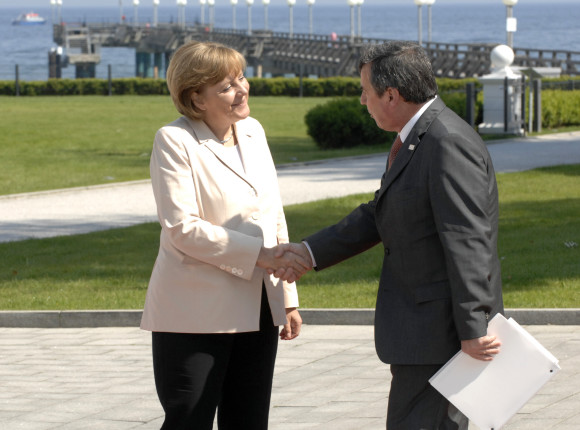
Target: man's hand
{"x": 298, "y": 249}
{"x": 293, "y": 324}
{"x": 288, "y": 266}
{"x": 482, "y": 348}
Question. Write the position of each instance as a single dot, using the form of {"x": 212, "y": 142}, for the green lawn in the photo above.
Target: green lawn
{"x": 61, "y": 142}
{"x": 109, "y": 270}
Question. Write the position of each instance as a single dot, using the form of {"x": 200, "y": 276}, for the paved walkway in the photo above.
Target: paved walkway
{"x": 328, "y": 379}
{"x": 81, "y": 210}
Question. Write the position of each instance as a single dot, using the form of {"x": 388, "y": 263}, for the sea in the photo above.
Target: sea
{"x": 550, "y": 25}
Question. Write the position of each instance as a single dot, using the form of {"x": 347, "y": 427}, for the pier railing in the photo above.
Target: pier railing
{"x": 278, "y": 53}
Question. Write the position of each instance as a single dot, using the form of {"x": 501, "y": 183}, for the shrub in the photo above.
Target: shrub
{"x": 560, "y": 108}
{"x": 344, "y": 123}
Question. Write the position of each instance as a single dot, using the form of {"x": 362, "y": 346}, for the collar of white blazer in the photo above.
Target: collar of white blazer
{"x": 205, "y": 137}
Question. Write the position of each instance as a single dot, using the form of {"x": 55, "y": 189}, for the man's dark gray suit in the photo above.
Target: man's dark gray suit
{"x": 436, "y": 215}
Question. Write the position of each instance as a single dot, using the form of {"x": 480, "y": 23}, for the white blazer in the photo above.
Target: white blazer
{"x": 214, "y": 219}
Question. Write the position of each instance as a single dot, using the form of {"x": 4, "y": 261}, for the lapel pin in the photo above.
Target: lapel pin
{"x": 411, "y": 147}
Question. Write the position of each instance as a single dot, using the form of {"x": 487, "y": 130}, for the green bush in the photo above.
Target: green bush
{"x": 560, "y": 108}
{"x": 344, "y": 123}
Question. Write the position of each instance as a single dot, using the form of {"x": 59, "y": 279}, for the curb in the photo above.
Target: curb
{"x": 132, "y": 318}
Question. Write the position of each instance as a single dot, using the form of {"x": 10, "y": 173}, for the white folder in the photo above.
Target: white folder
{"x": 489, "y": 393}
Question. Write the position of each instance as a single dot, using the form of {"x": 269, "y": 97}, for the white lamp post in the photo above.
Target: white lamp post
{"x": 120, "y": 11}
{"x": 59, "y": 10}
{"x": 155, "y": 7}
{"x": 135, "y": 12}
{"x": 265, "y": 3}
{"x": 291, "y": 4}
{"x": 52, "y": 7}
{"x": 211, "y": 4}
{"x": 202, "y": 6}
{"x": 181, "y": 13}
{"x": 234, "y": 3}
{"x": 310, "y": 26}
{"x": 429, "y": 3}
{"x": 249, "y": 3}
{"x": 358, "y": 10}
{"x": 511, "y": 22}
{"x": 352, "y": 4}
{"x": 419, "y": 3}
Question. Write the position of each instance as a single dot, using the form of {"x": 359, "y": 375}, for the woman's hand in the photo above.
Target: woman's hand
{"x": 293, "y": 324}
{"x": 290, "y": 264}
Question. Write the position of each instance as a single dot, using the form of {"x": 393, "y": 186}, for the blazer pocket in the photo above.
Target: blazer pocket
{"x": 192, "y": 261}
{"x": 436, "y": 291}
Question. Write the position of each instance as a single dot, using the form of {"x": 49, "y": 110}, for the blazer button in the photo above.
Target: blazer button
{"x": 387, "y": 251}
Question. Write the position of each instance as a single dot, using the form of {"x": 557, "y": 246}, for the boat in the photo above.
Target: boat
{"x": 30, "y": 18}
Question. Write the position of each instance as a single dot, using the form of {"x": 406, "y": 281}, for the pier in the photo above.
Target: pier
{"x": 271, "y": 53}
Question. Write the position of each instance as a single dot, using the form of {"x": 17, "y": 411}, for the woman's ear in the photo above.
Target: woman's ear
{"x": 197, "y": 100}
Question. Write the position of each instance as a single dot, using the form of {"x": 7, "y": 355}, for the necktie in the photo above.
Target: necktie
{"x": 397, "y": 144}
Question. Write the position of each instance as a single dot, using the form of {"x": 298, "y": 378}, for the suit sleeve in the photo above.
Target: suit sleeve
{"x": 179, "y": 213}
{"x": 464, "y": 201}
{"x": 351, "y": 236}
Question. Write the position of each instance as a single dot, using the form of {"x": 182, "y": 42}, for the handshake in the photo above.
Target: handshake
{"x": 288, "y": 261}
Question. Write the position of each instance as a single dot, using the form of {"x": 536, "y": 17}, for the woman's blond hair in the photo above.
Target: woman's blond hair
{"x": 196, "y": 65}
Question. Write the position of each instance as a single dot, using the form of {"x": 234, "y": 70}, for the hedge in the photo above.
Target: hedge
{"x": 559, "y": 107}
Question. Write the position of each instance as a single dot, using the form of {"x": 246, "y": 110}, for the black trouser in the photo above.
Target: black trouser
{"x": 195, "y": 373}
{"x": 415, "y": 405}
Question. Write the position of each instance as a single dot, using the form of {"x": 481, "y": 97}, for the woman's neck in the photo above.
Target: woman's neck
{"x": 223, "y": 133}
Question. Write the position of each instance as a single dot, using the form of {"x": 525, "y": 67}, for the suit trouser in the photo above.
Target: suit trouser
{"x": 415, "y": 405}
{"x": 197, "y": 373}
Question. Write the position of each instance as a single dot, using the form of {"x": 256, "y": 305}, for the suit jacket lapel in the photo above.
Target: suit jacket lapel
{"x": 411, "y": 143}
{"x": 206, "y": 137}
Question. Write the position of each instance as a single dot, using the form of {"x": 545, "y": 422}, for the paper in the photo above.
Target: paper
{"x": 489, "y": 393}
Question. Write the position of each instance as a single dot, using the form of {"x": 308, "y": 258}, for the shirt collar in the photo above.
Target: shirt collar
{"x": 411, "y": 123}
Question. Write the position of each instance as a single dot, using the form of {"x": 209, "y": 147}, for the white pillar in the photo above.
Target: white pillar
{"x": 494, "y": 91}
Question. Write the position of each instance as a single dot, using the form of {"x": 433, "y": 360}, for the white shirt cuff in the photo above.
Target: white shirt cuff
{"x": 311, "y": 254}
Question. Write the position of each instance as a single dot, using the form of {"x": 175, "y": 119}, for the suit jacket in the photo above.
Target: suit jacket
{"x": 214, "y": 219}
{"x": 436, "y": 215}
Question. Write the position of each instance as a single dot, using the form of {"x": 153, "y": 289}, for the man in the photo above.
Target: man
{"x": 436, "y": 215}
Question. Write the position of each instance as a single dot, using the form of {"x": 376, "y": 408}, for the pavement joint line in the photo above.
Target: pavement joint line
{"x": 132, "y": 318}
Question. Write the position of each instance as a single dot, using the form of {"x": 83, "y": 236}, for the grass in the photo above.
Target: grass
{"x": 61, "y": 142}
{"x": 110, "y": 269}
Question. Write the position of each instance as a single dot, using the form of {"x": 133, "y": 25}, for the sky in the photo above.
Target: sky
{"x": 114, "y": 3}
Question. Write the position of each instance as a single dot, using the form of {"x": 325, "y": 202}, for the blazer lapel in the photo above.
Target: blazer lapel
{"x": 206, "y": 138}
{"x": 411, "y": 143}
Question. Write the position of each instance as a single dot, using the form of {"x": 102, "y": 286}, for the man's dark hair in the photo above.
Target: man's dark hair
{"x": 401, "y": 65}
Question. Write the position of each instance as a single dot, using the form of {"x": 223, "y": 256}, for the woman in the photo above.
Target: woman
{"x": 212, "y": 306}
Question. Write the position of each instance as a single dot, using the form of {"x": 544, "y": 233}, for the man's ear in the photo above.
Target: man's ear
{"x": 393, "y": 95}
